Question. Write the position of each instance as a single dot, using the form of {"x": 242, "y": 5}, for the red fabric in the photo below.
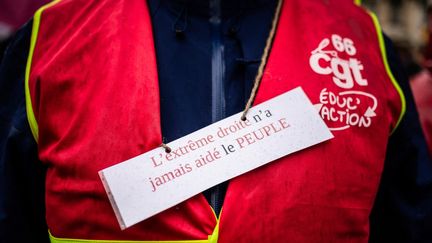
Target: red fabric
{"x": 324, "y": 193}
{"x": 95, "y": 94}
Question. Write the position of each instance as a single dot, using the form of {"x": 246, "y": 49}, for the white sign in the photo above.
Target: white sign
{"x": 155, "y": 181}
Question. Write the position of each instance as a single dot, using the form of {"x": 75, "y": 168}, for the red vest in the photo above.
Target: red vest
{"x": 93, "y": 88}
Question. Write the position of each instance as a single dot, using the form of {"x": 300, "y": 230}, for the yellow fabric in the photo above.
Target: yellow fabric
{"x": 29, "y": 107}
{"x": 387, "y": 67}
{"x": 213, "y": 238}
{"x": 59, "y": 240}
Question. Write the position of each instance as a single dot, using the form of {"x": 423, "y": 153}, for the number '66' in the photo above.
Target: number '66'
{"x": 343, "y": 44}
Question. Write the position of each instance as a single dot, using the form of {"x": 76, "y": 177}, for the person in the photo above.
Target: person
{"x": 88, "y": 84}
{"x": 421, "y": 86}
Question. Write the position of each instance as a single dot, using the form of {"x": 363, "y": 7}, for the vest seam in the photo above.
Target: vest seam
{"x": 33, "y": 39}
{"x": 388, "y": 70}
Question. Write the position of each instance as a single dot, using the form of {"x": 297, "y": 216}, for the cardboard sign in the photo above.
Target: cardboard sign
{"x": 155, "y": 181}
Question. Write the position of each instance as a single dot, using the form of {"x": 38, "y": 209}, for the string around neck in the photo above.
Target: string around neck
{"x": 263, "y": 62}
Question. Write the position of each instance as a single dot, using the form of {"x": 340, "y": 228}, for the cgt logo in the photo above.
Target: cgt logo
{"x": 350, "y": 108}
{"x": 327, "y": 62}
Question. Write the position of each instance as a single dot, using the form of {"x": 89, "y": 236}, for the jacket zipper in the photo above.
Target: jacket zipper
{"x": 218, "y": 89}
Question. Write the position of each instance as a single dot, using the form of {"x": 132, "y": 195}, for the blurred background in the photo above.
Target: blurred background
{"x": 13, "y": 14}
{"x": 407, "y": 22}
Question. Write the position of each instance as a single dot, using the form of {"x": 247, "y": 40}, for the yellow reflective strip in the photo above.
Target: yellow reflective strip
{"x": 387, "y": 67}
{"x": 358, "y": 2}
{"x": 64, "y": 240}
{"x": 29, "y": 107}
{"x": 213, "y": 238}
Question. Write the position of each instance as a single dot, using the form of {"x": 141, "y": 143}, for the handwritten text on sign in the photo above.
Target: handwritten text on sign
{"x": 152, "y": 182}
